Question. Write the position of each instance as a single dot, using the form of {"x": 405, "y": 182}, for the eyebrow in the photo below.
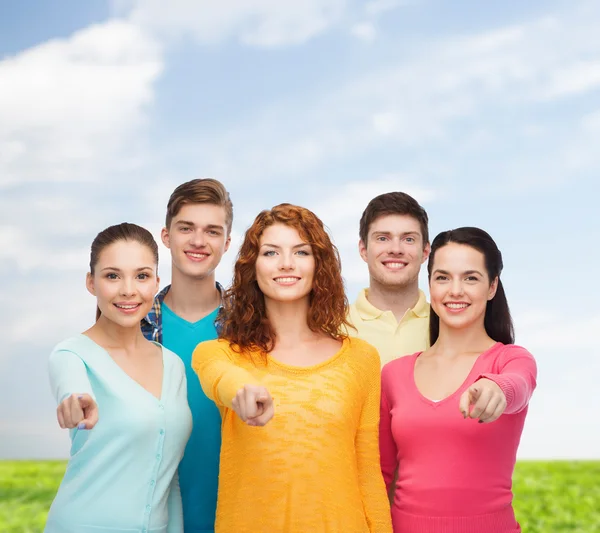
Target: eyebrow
{"x": 115, "y": 269}
{"x": 190, "y": 223}
{"x": 404, "y": 233}
{"x": 279, "y": 247}
{"x": 466, "y": 272}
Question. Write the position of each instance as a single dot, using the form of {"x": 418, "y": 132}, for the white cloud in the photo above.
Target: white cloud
{"x": 262, "y": 23}
{"x": 377, "y": 7}
{"x": 365, "y": 31}
{"x": 68, "y": 106}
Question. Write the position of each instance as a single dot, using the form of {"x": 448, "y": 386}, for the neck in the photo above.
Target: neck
{"x": 192, "y": 298}
{"x": 396, "y": 300}
{"x": 452, "y": 341}
{"x": 288, "y": 320}
{"x": 111, "y": 335}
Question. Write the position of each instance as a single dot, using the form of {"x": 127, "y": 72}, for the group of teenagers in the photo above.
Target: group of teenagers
{"x": 274, "y": 406}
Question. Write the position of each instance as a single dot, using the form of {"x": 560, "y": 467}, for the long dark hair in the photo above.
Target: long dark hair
{"x": 498, "y": 322}
{"x": 120, "y": 232}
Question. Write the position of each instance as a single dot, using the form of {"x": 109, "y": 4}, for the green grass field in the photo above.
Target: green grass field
{"x": 550, "y": 497}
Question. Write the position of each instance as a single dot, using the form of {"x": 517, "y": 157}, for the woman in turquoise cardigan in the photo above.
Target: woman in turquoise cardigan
{"x": 124, "y": 400}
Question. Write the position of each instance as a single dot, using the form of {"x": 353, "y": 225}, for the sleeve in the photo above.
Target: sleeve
{"x": 387, "y": 445}
{"x": 220, "y": 378}
{"x": 372, "y": 487}
{"x": 175, "y": 507}
{"x": 517, "y": 378}
{"x": 68, "y": 375}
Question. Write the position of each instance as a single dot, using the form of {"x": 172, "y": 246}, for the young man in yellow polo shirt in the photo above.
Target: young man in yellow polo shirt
{"x": 393, "y": 313}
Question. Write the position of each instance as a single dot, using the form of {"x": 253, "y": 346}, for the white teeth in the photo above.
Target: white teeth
{"x": 126, "y": 306}
{"x": 457, "y": 306}
{"x": 285, "y": 280}
{"x": 395, "y": 265}
{"x": 197, "y": 256}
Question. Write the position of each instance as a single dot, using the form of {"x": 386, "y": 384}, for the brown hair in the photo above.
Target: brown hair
{"x": 393, "y": 203}
{"x": 120, "y": 232}
{"x": 243, "y": 320}
{"x": 200, "y": 191}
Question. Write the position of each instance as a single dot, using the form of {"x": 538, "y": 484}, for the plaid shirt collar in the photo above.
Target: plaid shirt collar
{"x": 152, "y": 322}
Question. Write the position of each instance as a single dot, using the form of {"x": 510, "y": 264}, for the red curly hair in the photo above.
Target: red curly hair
{"x": 243, "y": 319}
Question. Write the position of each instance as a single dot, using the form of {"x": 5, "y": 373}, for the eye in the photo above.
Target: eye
{"x": 184, "y": 229}
{"x": 441, "y": 277}
{"x": 472, "y": 278}
{"x": 214, "y": 232}
{"x": 410, "y": 240}
{"x": 269, "y": 253}
{"x": 143, "y": 275}
{"x": 111, "y": 275}
{"x": 381, "y": 238}
{"x": 303, "y": 252}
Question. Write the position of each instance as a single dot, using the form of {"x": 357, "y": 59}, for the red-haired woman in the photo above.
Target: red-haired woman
{"x": 282, "y": 362}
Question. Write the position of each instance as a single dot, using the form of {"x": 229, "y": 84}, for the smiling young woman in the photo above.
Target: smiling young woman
{"x": 123, "y": 399}
{"x": 452, "y": 416}
{"x": 300, "y": 399}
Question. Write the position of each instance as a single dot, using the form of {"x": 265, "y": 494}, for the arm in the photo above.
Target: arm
{"x": 219, "y": 376}
{"x": 372, "y": 487}
{"x": 516, "y": 379}
{"x": 68, "y": 375}
{"x": 174, "y": 507}
{"x": 72, "y": 390}
{"x": 387, "y": 445}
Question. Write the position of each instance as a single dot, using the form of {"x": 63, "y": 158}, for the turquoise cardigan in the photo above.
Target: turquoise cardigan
{"x": 122, "y": 474}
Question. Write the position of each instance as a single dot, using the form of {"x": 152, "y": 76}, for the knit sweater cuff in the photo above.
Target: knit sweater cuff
{"x": 506, "y": 385}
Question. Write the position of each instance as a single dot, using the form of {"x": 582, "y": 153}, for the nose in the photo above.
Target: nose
{"x": 128, "y": 287}
{"x": 197, "y": 239}
{"x": 286, "y": 261}
{"x": 395, "y": 247}
{"x": 456, "y": 287}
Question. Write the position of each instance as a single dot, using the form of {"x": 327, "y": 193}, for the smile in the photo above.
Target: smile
{"x": 197, "y": 256}
{"x": 127, "y": 308}
{"x": 395, "y": 266}
{"x": 286, "y": 280}
{"x": 456, "y": 306}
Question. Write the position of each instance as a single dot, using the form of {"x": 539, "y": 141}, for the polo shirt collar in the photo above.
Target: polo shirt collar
{"x": 368, "y": 311}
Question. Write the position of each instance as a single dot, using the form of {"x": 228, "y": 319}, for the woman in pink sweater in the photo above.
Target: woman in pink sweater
{"x": 452, "y": 416}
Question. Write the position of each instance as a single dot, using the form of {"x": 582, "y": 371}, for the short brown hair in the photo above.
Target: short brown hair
{"x": 243, "y": 320}
{"x": 393, "y": 203}
{"x": 200, "y": 191}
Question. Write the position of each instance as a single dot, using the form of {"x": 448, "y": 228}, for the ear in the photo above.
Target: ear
{"x": 493, "y": 288}
{"x": 157, "y": 284}
{"x": 164, "y": 237}
{"x": 426, "y": 252}
{"x": 227, "y": 242}
{"x": 89, "y": 284}
{"x": 362, "y": 250}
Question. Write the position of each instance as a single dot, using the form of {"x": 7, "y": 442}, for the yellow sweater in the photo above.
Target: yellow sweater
{"x": 314, "y": 468}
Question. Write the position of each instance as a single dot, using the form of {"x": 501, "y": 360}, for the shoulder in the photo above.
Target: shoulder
{"x": 171, "y": 357}
{"x": 509, "y": 352}
{"x": 400, "y": 366}
{"x": 363, "y": 349}
{"x": 212, "y": 347}
{"x": 76, "y": 345}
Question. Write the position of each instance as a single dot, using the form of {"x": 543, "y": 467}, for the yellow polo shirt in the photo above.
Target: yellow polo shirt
{"x": 392, "y": 339}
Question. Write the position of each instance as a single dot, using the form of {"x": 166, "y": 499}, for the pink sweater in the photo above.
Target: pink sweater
{"x": 454, "y": 475}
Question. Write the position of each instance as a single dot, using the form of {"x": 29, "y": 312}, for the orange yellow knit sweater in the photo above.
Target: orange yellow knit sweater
{"x": 314, "y": 468}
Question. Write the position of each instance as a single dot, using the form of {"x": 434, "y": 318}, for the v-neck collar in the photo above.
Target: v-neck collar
{"x": 127, "y": 377}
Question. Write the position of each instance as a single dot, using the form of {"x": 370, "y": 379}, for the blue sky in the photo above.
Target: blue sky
{"x": 489, "y": 114}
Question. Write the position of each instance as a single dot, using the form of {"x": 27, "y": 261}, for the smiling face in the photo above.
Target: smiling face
{"x": 285, "y": 265}
{"x": 124, "y": 282}
{"x": 197, "y": 238}
{"x": 394, "y": 251}
{"x": 460, "y": 287}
